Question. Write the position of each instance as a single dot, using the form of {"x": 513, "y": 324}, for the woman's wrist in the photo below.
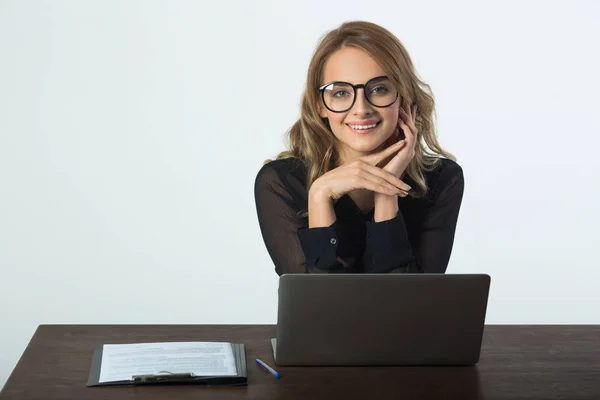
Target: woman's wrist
{"x": 320, "y": 209}
{"x": 386, "y": 207}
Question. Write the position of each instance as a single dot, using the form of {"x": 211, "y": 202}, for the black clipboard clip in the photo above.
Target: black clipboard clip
{"x": 162, "y": 376}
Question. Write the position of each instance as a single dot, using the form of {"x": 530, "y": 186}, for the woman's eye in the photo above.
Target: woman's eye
{"x": 379, "y": 90}
{"x": 341, "y": 93}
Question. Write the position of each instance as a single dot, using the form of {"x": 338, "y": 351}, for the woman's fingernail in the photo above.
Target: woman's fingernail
{"x": 400, "y": 142}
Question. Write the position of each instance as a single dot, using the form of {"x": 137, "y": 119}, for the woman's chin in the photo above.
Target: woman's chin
{"x": 367, "y": 146}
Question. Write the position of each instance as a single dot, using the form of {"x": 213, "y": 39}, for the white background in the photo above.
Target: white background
{"x": 131, "y": 133}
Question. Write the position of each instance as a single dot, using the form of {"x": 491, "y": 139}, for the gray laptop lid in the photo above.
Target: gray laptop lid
{"x": 380, "y": 319}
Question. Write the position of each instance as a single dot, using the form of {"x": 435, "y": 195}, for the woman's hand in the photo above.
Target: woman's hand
{"x": 386, "y": 206}
{"x": 398, "y": 163}
{"x": 362, "y": 173}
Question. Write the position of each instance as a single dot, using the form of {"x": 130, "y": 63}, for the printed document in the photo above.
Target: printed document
{"x": 121, "y": 361}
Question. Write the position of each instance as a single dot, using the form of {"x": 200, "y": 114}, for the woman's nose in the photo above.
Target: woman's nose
{"x": 361, "y": 104}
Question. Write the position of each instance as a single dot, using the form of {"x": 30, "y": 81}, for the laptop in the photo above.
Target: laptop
{"x": 380, "y": 319}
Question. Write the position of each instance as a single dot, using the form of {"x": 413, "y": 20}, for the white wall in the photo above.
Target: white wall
{"x": 131, "y": 133}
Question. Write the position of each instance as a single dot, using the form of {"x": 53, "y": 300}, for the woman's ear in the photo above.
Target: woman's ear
{"x": 402, "y": 104}
{"x": 322, "y": 110}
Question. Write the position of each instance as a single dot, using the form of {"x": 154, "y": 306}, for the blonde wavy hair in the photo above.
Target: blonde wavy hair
{"x": 311, "y": 140}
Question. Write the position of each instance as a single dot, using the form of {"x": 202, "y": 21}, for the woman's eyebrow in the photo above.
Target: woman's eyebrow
{"x": 348, "y": 81}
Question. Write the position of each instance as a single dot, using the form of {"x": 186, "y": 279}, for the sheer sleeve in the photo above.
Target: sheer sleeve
{"x": 388, "y": 248}
{"x": 293, "y": 247}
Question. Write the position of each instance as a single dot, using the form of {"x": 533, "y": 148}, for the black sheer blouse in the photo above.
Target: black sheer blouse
{"x": 418, "y": 240}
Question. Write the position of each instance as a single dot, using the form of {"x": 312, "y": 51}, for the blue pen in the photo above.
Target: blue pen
{"x": 267, "y": 368}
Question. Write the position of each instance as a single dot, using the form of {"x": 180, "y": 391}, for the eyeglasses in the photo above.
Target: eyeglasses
{"x": 340, "y": 96}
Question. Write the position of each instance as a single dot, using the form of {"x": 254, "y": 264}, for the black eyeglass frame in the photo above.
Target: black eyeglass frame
{"x": 355, "y": 88}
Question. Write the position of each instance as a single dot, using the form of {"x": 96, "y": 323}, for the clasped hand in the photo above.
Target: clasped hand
{"x": 379, "y": 172}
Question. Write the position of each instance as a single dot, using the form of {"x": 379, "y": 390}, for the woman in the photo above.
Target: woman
{"x": 358, "y": 191}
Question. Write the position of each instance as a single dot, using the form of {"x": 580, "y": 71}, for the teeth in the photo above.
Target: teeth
{"x": 363, "y": 126}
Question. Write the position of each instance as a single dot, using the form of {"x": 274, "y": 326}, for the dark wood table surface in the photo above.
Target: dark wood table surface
{"x": 517, "y": 362}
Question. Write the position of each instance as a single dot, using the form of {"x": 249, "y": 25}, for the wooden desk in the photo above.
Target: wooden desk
{"x": 517, "y": 362}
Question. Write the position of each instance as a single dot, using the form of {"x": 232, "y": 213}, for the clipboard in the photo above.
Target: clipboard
{"x": 165, "y": 377}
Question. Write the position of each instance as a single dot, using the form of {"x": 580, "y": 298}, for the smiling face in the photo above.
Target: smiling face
{"x": 355, "y": 66}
